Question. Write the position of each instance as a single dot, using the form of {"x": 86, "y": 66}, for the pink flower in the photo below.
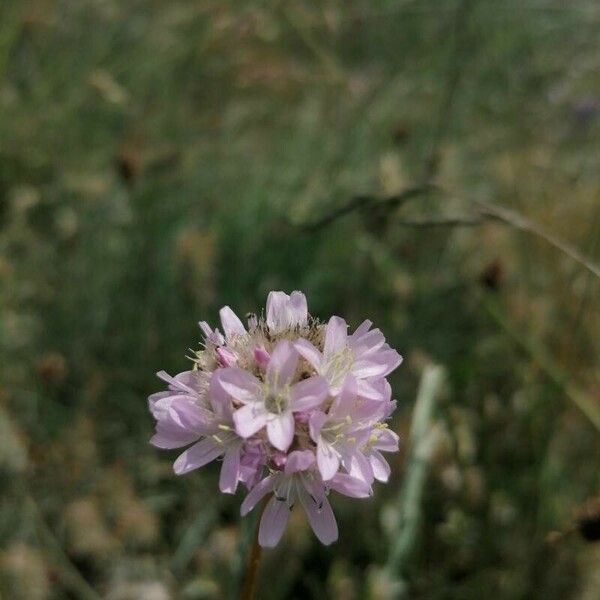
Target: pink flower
{"x": 299, "y": 481}
{"x": 272, "y": 402}
{"x": 183, "y": 420}
{"x": 364, "y": 354}
{"x": 294, "y": 408}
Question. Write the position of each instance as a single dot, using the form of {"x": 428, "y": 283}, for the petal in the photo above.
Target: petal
{"x": 378, "y": 364}
{"x": 238, "y": 383}
{"x": 328, "y": 460}
{"x": 285, "y": 312}
{"x": 358, "y": 466}
{"x": 231, "y": 323}
{"x": 387, "y": 440}
{"x": 280, "y": 430}
{"x": 219, "y": 399}
{"x": 315, "y": 424}
{"x": 282, "y": 365}
{"x": 257, "y": 493}
{"x": 368, "y": 343}
{"x": 180, "y": 423}
{"x": 188, "y": 415}
{"x": 261, "y": 356}
{"x": 169, "y": 436}
{"x": 350, "y": 486}
{"x": 157, "y": 408}
{"x": 298, "y": 309}
{"x": 226, "y": 357}
{"x": 197, "y": 456}
{"x": 299, "y": 460}
{"x": 214, "y": 337}
{"x": 336, "y": 336}
{"x": 345, "y": 402}
{"x": 365, "y": 368}
{"x": 273, "y": 522}
{"x": 367, "y": 389}
{"x": 362, "y": 329}
{"x": 174, "y": 383}
{"x": 249, "y": 419}
{"x": 276, "y": 310}
{"x": 230, "y": 470}
{"x": 309, "y": 352}
{"x": 380, "y": 467}
{"x": 309, "y": 393}
{"x": 320, "y": 516}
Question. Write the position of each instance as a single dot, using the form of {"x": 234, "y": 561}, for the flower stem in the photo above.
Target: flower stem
{"x": 249, "y": 585}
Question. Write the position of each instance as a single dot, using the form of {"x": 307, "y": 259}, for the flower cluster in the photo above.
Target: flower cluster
{"x": 293, "y": 407}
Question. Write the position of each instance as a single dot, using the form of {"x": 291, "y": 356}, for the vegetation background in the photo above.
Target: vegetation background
{"x": 161, "y": 159}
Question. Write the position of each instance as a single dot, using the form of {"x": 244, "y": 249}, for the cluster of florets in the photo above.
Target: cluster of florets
{"x": 292, "y": 406}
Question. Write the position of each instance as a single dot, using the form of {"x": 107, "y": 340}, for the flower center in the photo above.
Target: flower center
{"x": 276, "y": 402}
{"x": 338, "y": 365}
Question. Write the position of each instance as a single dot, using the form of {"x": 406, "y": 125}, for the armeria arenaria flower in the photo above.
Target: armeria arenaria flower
{"x": 293, "y": 407}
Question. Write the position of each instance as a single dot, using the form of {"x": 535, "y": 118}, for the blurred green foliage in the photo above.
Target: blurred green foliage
{"x": 159, "y": 160}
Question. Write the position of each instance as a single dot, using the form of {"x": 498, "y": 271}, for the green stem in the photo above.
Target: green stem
{"x": 249, "y": 585}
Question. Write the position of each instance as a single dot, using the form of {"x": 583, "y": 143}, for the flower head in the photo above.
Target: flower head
{"x": 294, "y": 408}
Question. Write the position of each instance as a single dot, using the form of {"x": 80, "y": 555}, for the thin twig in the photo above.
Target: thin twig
{"x": 519, "y": 221}
{"x": 359, "y": 203}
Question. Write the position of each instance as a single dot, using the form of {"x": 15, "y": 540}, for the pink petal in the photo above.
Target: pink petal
{"x": 358, "y": 466}
{"x": 328, "y": 460}
{"x": 214, "y": 337}
{"x": 188, "y": 415}
{"x": 315, "y": 424}
{"x": 309, "y": 352}
{"x": 284, "y": 312}
{"x": 365, "y": 368}
{"x": 175, "y": 383}
{"x": 230, "y": 470}
{"x": 344, "y": 403}
{"x": 367, "y": 389}
{"x": 320, "y": 517}
{"x": 157, "y": 408}
{"x": 273, "y": 522}
{"x": 261, "y": 356}
{"x": 380, "y": 467}
{"x": 280, "y": 430}
{"x": 226, "y": 357}
{"x": 298, "y": 309}
{"x": 350, "y": 486}
{"x": 387, "y": 441}
{"x": 197, "y": 456}
{"x": 249, "y": 419}
{"x": 379, "y": 364}
{"x": 276, "y": 310}
{"x": 309, "y": 393}
{"x": 257, "y": 493}
{"x": 368, "y": 343}
{"x": 282, "y": 365}
{"x": 239, "y": 384}
{"x": 231, "y": 324}
{"x": 336, "y": 336}
{"x": 169, "y": 436}
{"x": 362, "y": 329}
{"x": 299, "y": 460}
